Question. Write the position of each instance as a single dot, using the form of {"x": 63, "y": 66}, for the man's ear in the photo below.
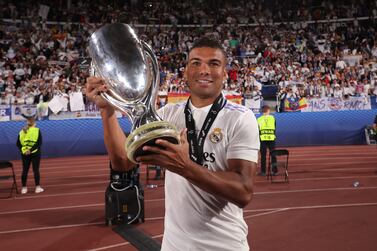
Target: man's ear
{"x": 225, "y": 74}
{"x": 185, "y": 75}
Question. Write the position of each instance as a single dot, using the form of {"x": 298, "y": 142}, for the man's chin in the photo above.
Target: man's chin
{"x": 207, "y": 95}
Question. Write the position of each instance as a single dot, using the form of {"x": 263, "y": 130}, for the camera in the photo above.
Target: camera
{"x": 124, "y": 198}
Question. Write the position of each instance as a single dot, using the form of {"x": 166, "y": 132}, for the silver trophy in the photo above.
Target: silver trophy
{"x": 130, "y": 69}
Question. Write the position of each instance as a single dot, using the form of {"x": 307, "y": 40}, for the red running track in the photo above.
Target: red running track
{"x": 319, "y": 209}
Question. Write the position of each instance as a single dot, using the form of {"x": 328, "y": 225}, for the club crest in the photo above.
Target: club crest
{"x": 216, "y": 136}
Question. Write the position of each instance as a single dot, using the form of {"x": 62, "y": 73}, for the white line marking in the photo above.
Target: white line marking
{"x": 106, "y": 175}
{"x": 50, "y": 208}
{"x": 78, "y": 177}
{"x": 260, "y": 210}
{"x": 87, "y": 164}
{"x": 83, "y": 183}
{"x": 59, "y": 227}
{"x": 63, "y": 166}
{"x": 258, "y": 181}
{"x": 318, "y": 158}
{"x": 49, "y": 228}
{"x": 77, "y": 184}
{"x": 110, "y": 246}
{"x": 67, "y": 194}
{"x": 271, "y": 211}
{"x": 154, "y": 218}
{"x": 333, "y": 170}
{"x": 336, "y": 154}
{"x": 56, "y": 208}
{"x": 293, "y": 165}
{"x": 328, "y": 178}
{"x": 76, "y": 171}
{"x": 321, "y": 149}
{"x": 266, "y": 213}
{"x": 316, "y": 190}
{"x": 315, "y": 207}
{"x": 292, "y": 161}
{"x": 299, "y": 163}
{"x": 162, "y": 199}
{"x": 121, "y": 244}
{"x": 53, "y": 195}
{"x": 347, "y": 169}
{"x": 336, "y": 178}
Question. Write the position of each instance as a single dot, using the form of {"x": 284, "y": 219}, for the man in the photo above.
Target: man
{"x": 204, "y": 198}
{"x": 267, "y": 126}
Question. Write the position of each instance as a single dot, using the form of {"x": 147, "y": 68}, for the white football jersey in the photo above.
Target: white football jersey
{"x": 195, "y": 219}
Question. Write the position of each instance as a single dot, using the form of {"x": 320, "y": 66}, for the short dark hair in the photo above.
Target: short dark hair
{"x": 265, "y": 108}
{"x": 208, "y": 42}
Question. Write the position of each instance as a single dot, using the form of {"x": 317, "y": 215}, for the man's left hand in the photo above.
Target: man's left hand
{"x": 174, "y": 157}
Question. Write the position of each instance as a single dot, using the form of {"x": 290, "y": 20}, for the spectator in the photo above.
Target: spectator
{"x": 307, "y": 56}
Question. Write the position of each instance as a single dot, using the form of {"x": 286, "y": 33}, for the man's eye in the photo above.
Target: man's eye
{"x": 195, "y": 63}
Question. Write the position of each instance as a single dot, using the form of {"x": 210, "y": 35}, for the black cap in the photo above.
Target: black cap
{"x": 29, "y": 113}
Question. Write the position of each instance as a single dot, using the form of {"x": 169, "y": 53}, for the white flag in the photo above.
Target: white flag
{"x": 57, "y": 104}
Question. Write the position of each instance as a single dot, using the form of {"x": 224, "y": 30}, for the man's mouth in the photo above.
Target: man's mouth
{"x": 204, "y": 81}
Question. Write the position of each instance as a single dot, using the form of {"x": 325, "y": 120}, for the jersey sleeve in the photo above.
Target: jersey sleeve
{"x": 163, "y": 111}
{"x": 244, "y": 139}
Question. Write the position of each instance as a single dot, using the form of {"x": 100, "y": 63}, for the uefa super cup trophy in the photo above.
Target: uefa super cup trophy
{"x": 130, "y": 69}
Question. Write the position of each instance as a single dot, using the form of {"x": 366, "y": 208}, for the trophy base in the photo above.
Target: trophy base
{"x": 146, "y": 135}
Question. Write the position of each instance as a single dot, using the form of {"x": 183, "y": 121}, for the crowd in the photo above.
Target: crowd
{"x": 39, "y": 60}
{"x": 201, "y": 12}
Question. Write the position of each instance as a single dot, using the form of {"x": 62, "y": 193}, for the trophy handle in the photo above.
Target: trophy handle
{"x": 150, "y": 115}
{"x": 150, "y": 100}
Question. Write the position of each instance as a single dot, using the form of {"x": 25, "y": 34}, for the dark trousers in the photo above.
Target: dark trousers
{"x": 264, "y": 145}
{"x": 33, "y": 159}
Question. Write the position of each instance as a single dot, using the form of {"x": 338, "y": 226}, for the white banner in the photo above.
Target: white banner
{"x": 58, "y": 103}
{"x": 91, "y": 112}
{"x": 337, "y": 104}
{"x": 74, "y": 115}
{"x": 18, "y": 110}
{"x": 76, "y": 101}
{"x": 5, "y": 112}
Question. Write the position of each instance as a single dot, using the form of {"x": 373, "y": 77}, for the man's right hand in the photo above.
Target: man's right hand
{"x": 114, "y": 137}
{"x": 94, "y": 87}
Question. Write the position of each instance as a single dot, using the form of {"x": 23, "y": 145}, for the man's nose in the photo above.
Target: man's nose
{"x": 204, "y": 69}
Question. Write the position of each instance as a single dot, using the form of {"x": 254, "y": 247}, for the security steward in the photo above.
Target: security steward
{"x": 29, "y": 142}
{"x": 267, "y": 127}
